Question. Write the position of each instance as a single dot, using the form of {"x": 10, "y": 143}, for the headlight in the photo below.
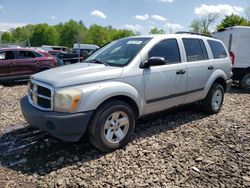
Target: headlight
{"x": 67, "y": 100}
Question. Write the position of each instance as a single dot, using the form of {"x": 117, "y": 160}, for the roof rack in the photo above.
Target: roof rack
{"x": 192, "y": 33}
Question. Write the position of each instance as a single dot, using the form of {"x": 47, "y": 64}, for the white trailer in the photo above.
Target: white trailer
{"x": 237, "y": 40}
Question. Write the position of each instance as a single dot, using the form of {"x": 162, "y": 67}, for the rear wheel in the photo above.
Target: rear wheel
{"x": 43, "y": 69}
{"x": 214, "y": 100}
{"x": 245, "y": 82}
{"x": 112, "y": 126}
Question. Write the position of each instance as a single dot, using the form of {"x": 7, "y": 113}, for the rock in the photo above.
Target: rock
{"x": 195, "y": 169}
{"x": 199, "y": 159}
{"x": 246, "y": 178}
{"x": 60, "y": 182}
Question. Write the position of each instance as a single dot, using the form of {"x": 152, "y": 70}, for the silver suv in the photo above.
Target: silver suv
{"x": 125, "y": 80}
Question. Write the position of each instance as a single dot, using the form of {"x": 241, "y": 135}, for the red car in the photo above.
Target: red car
{"x": 20, "y": 63}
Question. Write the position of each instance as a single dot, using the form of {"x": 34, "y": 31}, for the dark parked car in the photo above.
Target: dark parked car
{"x": 20, "y": 63}
{"x": 66, "y": 57}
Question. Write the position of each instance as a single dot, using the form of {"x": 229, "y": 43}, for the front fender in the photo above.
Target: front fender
{"x": 95, "y": 94}
{"x": 216, "y": 74}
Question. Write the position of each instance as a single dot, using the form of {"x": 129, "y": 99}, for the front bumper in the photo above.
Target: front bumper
{"x": 65, "y": 126}
{"x": 228, "y": 84}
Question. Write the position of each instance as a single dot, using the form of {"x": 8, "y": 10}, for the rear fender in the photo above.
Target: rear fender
{"x": 215, "y": 75}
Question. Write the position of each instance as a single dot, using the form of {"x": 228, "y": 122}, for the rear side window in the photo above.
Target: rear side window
{"x": 217, "y": 49}
{"x": 168, "y": 49}
{"x": 28, "y": 54}
{"x": 195, "y": 50}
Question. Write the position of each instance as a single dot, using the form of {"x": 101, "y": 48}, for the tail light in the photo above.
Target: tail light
{"x": 232, "y": 57}
{"x": 54, "y": 60}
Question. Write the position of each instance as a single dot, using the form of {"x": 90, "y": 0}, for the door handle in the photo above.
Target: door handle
{"x": 37, "y": 62}
{"x": 11, "y": 65}
{"x": 210, "y": 68}
{"x": 180, "y": 72}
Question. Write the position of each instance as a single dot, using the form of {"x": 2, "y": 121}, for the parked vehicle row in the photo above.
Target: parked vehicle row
{"x": 127, "y": 79}
{"x": 20, "y": 63}
{"x": 67, "y": 58}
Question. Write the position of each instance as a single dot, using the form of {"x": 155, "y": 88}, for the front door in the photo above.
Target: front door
{"x": 6, "y": 64}
{"x": 165, "y": 85}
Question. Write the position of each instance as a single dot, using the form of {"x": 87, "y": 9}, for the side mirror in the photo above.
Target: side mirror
{"x": 154, "y": 61}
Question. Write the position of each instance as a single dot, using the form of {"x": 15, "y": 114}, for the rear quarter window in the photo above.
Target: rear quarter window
{"x": 217, "y": 49}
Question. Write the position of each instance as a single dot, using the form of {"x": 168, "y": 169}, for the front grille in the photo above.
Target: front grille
{"x": 41, "y": 95}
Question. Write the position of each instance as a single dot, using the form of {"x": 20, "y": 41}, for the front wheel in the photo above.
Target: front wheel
{"x": 214, "y": 100}
{"x": 245, "y": 82}
{"x": 112, "y": 126}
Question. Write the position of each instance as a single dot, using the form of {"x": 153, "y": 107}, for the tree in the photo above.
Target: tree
{"x": 232, "y": 20}
{"x": 21, "y": 34}
{"x": 155, "y": 30}
{"x": 247, "y": 12}
{"x": 196, "y": 26}
{"x": 7, "y": 37}
{"x": 202, "y": 24}
{"x": 70, "y": 33}
{"x": 44, "y": 34}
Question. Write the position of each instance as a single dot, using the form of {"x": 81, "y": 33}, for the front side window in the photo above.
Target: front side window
{"x": 168, "y": 49}
{"x": 118, "y": 53}
{"x": 7, "y": 55}
{"x": 217, "y": 49}
{"x": 195, "y": 50}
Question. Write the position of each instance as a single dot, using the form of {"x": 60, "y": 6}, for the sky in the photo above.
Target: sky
{"x": 137, "y": 15}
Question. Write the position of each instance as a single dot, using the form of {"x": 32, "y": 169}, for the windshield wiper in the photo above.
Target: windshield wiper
{"x": 97, "y": 61}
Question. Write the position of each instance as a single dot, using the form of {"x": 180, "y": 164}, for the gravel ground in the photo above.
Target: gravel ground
{"x": 185, "y": 148}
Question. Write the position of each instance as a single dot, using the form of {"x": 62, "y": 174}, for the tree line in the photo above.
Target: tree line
{"x": 68, "y": 33}
{"x": 64, "y": 34}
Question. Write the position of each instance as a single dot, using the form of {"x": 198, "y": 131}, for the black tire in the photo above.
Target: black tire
{"x": 207, "y": 103}
{"x": 96, "y": 131}
{"x": 244, "y": 83}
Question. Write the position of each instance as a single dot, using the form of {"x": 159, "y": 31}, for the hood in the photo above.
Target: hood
{"x": 79, "y": 73}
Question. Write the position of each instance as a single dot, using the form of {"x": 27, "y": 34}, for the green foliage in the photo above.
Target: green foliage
{"x": 66, "y": 34}
{"x": 69, "y": 33}
{"x": 7, "y": 37}
{"x": 233, "y": 20}
{"x": 155, "y": 30}
{"x": 23, "y": 33}
{"x": 196, "y": 26}
{"x": 44, "y": 34}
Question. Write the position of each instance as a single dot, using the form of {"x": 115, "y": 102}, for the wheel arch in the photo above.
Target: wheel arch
{"x": 105, "y": 92}
{"x": 218, "y": 76}
{"x": 127, "y": 100}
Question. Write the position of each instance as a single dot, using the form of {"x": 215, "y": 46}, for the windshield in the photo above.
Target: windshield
{"x": 119, "y": 52}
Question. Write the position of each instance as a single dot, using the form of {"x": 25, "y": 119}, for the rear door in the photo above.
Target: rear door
{"x": 221, "y": 57}
{"x": 199, "y": 68}
{"x": 7, "y": 60}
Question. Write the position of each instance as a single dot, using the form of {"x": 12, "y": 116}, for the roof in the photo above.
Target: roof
{"x": 234, "y": 27}
{"x": 19, "y": 48}
{"x": 188, "y": 35}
